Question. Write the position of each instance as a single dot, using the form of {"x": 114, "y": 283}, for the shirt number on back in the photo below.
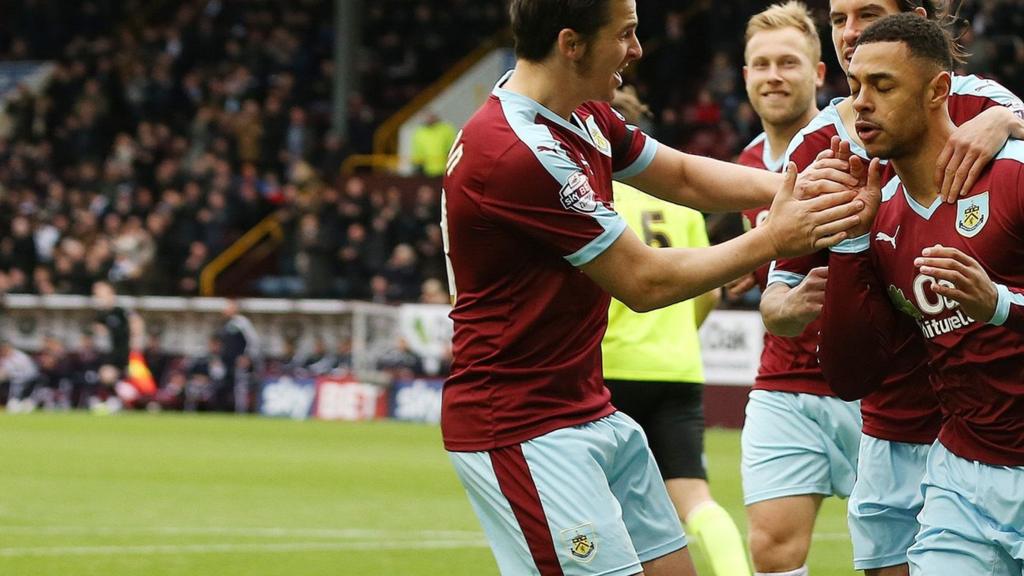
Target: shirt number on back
{"x": 655, "y": 230}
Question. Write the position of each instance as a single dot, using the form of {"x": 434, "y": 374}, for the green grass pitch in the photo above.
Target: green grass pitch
{"x": 173, "y": 494}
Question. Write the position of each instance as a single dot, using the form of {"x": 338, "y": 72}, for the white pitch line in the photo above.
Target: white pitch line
{"x": 236, "y": 548}
{"x": 348, "y": 533}
{"x": 345, "y": 533}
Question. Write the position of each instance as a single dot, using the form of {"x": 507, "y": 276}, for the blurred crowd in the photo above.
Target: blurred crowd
{"x": 171, "y": 128}
{"x": 115, "y": 363}
{"x": 168, "y": 130}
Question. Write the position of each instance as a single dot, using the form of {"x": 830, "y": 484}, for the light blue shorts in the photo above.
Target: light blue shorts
{"x": 586, "y": 500}
{"x": 797, "y": 444}
{"x": 885, "y": 501}
{"x": 972, "y": 523}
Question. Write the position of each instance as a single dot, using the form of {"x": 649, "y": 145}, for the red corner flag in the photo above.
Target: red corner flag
{"x": 139, "y": 375}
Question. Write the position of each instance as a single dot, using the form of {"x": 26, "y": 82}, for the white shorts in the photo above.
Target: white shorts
{"x": 972, "y": 523}
{"x": 585, "y": 500}
{"x": 885, "y": 502}
{"x": 797, "y": 444}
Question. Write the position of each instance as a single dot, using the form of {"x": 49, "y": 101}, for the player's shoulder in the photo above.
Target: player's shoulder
{"x": 753, "y": 153}
{"x": 505, "y": 139}
{"x": 818, "y": 133}
{"x": 1008, "y": 165}
{"x": 489, "y": 128}
{"x": 974, "y": 85}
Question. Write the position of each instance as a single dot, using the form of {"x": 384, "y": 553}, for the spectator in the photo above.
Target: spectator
{"x": 238, "y": 350}
{"x": 111, "y": 321}
{"x": 205, "y": 376}
{"x": 402, "y": 274}
{"x": 18, "y": 376}
{"x": 434, "y": 292}
{"x": 400, "y": 361}
{"x": 430, "y": 145}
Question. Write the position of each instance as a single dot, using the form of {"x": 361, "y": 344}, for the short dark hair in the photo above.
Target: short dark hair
{"x": 947, "y": 16}
{"x": 925, "y": 38}
{"x": 536, "y": 23}
{"x": 932, "y": 7}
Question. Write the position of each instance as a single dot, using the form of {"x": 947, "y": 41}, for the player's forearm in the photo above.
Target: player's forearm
{"x": 779, "y": 318}
{"x": 999, "y": 118}
{"x": 853, "y": 347}
{"x": 705, "y": 184}
{"x": 670, "y": 275}
{"x": 727, "y": 187}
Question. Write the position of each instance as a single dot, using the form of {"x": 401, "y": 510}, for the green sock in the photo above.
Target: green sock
{"x": 712, "y": 526}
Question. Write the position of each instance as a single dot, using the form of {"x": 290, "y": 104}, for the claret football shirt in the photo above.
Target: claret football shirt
{"x": 527, "y": 200}
{"x": 905, "y": 408}
{"x": 884, "y": 302}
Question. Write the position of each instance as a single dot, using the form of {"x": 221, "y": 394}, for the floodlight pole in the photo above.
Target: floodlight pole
{"x": 347, "y": 21}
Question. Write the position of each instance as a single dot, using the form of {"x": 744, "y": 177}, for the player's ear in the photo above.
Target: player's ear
{"x": 570, "y": 44}
{"x": 819, "y": 75}
{"x": 939, "y": 89}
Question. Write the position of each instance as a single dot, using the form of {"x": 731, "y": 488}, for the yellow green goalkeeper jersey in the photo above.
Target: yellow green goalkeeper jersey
{"x": 661, "y": 345}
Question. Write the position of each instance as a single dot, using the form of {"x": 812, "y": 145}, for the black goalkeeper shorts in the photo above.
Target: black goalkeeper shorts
{"x": 672, "y": 416}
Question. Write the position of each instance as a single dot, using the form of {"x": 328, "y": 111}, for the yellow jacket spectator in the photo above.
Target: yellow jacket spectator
{"x": 430, "y": 145}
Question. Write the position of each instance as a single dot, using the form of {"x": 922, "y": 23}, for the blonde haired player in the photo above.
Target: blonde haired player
{"x": 799, "y": 442}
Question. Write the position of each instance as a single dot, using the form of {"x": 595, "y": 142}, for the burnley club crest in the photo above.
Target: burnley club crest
{"x": 582, "y": 542}
{"x": 971, "y": 215}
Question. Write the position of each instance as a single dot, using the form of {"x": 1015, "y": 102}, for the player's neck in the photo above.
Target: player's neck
{"x": 543, "y": 84}
{"x": 780, "y": 135}
{"x": 917, "y": 169}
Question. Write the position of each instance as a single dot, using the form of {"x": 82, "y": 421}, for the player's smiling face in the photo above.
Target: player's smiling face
{"x": 849, "y": 18}
{"x": 613, "y": 48}
{"x": 888, "y": 88}
{"x": 780, "y": 75}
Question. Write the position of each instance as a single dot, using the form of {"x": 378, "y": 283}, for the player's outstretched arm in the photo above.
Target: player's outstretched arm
{"x": 645, "y": 278}
{"x": 711, "y": 185}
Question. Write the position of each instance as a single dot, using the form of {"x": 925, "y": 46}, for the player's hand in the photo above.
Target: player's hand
{"x": 970, "y": 148}
{"x": 801, "y": 226}
{"x": 737, "y": 288}
{"x": 829, "y": 173}
{"x": 868, "y": 191}
{"x": 961, "y": 279}
{"x": 803, "y": 303}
